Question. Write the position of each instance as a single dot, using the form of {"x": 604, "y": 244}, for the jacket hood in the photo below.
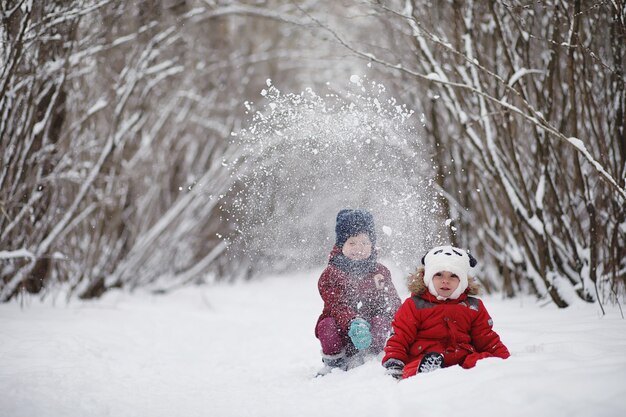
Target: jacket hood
{"x": 336, "y": 250}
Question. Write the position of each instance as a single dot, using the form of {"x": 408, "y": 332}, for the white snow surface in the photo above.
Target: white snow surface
{"x": 248, "y": 349}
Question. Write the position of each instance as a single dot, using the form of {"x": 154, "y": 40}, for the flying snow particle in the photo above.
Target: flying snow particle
{"x": 355, "y": 79}
{"x": 337, "y": 136}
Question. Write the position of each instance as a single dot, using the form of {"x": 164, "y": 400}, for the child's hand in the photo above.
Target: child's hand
{"x": 360, "y": 333}
{"x": 394, "y": 367}
{"x": 471, "y": 359}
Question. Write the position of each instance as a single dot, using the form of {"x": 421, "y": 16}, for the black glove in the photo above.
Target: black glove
{"x": 394, "y": 367}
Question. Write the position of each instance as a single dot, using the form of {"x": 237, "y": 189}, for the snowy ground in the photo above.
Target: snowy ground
{"x": 249, "y": 350}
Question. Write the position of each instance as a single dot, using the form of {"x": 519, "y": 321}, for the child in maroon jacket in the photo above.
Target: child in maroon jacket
{"x": 359, "y": 296}
{"x": 441, "y": 325}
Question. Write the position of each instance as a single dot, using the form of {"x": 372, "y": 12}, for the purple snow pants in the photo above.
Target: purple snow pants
{"x": 333, "y": 342}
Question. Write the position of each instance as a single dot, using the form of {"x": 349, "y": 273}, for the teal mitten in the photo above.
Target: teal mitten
{"x": 360, "y": 333}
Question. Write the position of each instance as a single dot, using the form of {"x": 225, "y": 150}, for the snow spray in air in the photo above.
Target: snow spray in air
{"x": 306, "y": 156}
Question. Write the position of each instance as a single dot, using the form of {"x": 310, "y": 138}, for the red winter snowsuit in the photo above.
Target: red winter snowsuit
{"x": 461, "y": 330}
{"x": 372, "y": 297}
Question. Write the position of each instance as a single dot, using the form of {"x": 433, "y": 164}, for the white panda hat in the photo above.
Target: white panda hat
{"x": 451, "y": 259}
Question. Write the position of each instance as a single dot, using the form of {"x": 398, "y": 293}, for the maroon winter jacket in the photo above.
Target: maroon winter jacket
{"x": 347, "y": 296}
{"x": 454, "y": 328}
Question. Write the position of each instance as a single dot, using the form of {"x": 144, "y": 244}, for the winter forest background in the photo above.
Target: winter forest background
{"x": 160, "y": 143}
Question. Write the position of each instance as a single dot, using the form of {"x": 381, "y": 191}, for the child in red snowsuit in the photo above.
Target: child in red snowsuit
{"x": 359, "y": 296}
{"x": 441, "y": 325}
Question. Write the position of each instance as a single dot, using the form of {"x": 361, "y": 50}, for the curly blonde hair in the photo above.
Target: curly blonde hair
{"x": 415, "y": 283}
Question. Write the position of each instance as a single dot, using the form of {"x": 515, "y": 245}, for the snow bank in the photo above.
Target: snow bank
{"x": 249, "y": 350}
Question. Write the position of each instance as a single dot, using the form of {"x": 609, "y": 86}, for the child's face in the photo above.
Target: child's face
{"x": 445, "y": 283}
{"x": 358, "y": 247}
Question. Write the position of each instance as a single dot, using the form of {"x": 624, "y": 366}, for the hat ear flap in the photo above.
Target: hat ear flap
{"x": 472, "y": 260}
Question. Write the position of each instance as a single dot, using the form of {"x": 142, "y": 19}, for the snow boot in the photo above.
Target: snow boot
{"x": 430, "y": 362}
{"x": 331, "y": 362}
